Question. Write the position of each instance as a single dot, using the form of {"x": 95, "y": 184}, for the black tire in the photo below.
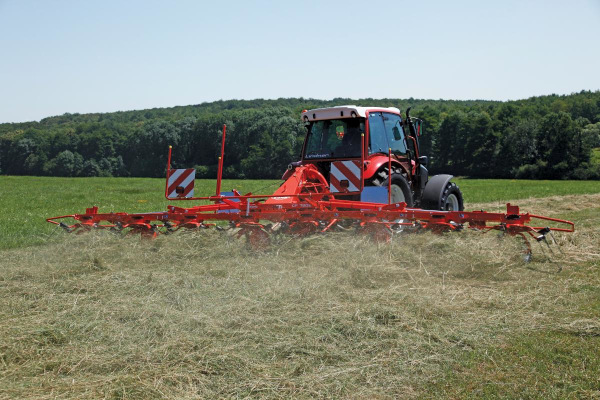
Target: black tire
{"x": 398, "y": 182}
{"x": 452, "y": 198}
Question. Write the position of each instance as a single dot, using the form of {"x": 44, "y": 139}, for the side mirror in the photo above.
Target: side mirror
{"x": 423, "y": 160}
{"x": 396, "y": 132}
{"x": 418, "y": 127}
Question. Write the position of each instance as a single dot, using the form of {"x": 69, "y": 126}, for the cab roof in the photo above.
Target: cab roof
{"x": 350, "y": 111}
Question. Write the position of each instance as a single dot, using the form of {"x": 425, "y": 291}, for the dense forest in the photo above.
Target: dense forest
{"x": 549, "y": 137}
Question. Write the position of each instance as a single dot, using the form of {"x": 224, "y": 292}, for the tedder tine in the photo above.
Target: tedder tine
{"x": 257, "y": 220}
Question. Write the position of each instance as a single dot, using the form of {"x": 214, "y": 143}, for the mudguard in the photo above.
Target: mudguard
{"x": 432, "y": 195}
{"x": 374, "y": 163}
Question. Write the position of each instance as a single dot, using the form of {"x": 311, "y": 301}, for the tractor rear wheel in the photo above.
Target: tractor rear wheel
{"x": 400, "y": 192}
{"x": 400, "y": 189}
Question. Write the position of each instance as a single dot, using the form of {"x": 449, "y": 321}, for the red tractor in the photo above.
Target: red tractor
{"x": 360, "y": 167}
{"x": 342, "y": 139}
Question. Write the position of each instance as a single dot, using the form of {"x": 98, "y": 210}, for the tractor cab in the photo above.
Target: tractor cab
{"x": 353, "y": 146}
{"x": 336, "y": 132}
{"x": 357, "y": 149}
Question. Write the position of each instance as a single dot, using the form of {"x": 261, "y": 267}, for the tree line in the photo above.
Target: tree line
{"x": 545, "y": 137}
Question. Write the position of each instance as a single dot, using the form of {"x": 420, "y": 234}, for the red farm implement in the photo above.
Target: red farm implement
{"x": 345, "y": 180}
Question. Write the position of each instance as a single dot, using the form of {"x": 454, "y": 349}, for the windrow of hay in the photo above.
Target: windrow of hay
{"x": 199, "y": 315}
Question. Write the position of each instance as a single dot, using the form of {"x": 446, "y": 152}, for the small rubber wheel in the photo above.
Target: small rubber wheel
{"x": 452, "y": 199}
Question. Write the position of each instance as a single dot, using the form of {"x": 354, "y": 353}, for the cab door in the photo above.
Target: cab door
{"x": 378, "y": 140}
{"x": 397, "y": 139}
{"x": 395, "y": 134}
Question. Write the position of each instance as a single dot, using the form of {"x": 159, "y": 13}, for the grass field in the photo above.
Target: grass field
{"x": 200, "y": 316}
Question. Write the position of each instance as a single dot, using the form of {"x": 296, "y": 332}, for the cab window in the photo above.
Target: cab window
{"x": 377, "y": 137}
{"x": 395, "y": 133}
{"x": 335, "y": 138}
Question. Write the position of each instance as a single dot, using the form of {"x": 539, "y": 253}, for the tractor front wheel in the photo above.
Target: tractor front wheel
{"x": 452, "y": 199}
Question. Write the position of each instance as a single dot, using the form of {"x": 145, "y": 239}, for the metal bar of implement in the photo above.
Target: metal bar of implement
{"x": 362, "y": 160}
{"x": 252, "y": 196}
{"x": 220, "y": 171}
{"x": 390, "y": 175}
{"x": 168, "y": 172}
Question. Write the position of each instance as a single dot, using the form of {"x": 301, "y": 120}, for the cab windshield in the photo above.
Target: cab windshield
{"x": 334, "y": 138}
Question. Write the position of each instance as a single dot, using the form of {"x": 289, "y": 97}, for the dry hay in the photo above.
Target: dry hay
{"x": 201, "y": 316}
{"x": 548, "y": 206}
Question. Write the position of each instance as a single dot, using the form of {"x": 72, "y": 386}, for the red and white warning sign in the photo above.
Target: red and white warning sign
{"x": 181, "y": 182}
{"x": 345, "y": 176}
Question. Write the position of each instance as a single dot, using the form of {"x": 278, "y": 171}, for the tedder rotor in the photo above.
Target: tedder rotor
{"x": 360, "y": 168}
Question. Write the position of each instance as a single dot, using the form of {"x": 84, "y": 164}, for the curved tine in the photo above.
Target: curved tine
{"x": 117, "y": 228}
{"x": 280, "y": 228}
{"x": 528, "y": 253}
{"x": 67, "y": 228}
{"x": 221, "y": 228}
{"x": 555, "y": 242}
{"x": 543, "y": 250}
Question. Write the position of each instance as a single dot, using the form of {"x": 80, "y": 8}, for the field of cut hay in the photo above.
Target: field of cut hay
{"x": 199, "y": 315}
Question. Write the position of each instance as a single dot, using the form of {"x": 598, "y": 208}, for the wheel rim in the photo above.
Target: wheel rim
{"x": 397, "y": 194}
{"x": 398, "y": 197}
{"x": 451, "y": 203}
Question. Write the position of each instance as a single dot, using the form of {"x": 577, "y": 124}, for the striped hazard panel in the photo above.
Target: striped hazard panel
{"x": 181, "y": 182}
{"x": 345, "y": 176}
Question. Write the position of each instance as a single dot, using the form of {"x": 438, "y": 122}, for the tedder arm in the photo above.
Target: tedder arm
{"x": 311, "y": 213}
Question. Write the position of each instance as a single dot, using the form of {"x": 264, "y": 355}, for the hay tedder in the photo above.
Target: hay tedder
{"x": 360, "y": 169}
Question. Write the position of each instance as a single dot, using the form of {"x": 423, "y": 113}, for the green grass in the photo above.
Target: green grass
{"x": 489, "y": 190}
{"x": 198, "y": 315}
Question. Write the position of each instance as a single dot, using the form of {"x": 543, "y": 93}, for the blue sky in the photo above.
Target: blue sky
{"x": 101, "y": 56}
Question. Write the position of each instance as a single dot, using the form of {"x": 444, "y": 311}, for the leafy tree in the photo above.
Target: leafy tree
{"x": 480, "y": 145}
{"x": 65, "y": 163}
{"x": 518, "y": 147}
{"x": 546, "y": 136}
{"x": 151, "y": 148}
{"x": 557, "y": 139}
{"x": 91, "y": 168}
{"x": 591, "y": 135}
{"x": 447, "y": 145}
